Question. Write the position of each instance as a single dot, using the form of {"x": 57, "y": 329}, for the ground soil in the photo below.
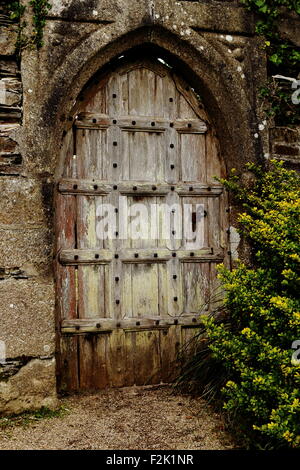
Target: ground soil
{"x": 131, "y": 418}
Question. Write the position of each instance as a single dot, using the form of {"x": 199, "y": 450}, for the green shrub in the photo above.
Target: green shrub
{"x": 253, "y": 345}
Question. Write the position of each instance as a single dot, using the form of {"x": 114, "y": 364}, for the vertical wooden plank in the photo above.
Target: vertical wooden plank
{"x": 175, "y": 288}
{"x": 126, "y": 280}
{"x": 96, "y": 99}
{"x": 185, "y": 110}
{"x": 193, "y": 157}
{"x": 195, "y": 233}
{"x": 196, "y": 287}
{"x": 216, "y": 290}
{"x": 144, "y": 289}
{"x": 66, "y": 228}
{"x": 214, "y": 166}
{"x": 68, "y": 364}
{"x": 93, "y": 356}
{"x": 124, "y": 94}
{"x": 145, "y": 155}
{"x": 91, "y": 153}
{"x": 129, "y": 354}
{"x": 91, "y": 279}
{"x": 162, "y": 289}
{"x": 141, "y": 92}
{"x": 188, "y": 345}
{"x": 147, "y": 363}
{"x": 117, "y": 358}
{"x": 170, "y": 341}
{"x": 213, "y": 218}
{"x": 69, "y": 165}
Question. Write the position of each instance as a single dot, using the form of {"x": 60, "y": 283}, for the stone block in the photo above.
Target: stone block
{"x": 32, "y": 387}
{"x": 27, "y": 317}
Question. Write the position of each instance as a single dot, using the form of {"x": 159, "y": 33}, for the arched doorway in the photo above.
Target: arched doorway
{"x": 141, "y": 225}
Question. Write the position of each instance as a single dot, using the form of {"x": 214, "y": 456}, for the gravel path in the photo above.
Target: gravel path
{"x": 131, "y": 418}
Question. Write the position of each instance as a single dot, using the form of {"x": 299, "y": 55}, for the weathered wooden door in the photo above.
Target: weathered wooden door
{"x": 140, "y": 228}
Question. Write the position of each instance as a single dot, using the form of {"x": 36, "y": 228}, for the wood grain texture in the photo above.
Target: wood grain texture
{"x": 141, "y": 140}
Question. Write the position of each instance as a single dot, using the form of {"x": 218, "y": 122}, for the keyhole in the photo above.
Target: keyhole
{"x": 194, "y": 221}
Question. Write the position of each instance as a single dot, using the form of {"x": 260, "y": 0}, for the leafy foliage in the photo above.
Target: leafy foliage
{"x": 253, "y": 345}
{"x": 276, "y": 103}
{"x": 40, "y": 10}
{"x": 283, "y": 57}
{"x": 269, "y": 11}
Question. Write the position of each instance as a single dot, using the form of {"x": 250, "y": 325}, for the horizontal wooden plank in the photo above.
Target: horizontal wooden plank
{"x": 93, "y": 121}
{"x": 106, "y": 325}
{"x": 199, "y": 190}
{"x": 192, "y": 126}
{"x": 163, "y": 255}
{"x": 85, "y": 256}
{"x": 99, "y": 187}
{"x": 155, "y": 255}
{"x": 140, "y": 124}
{"x": 148, "y": 189}
{"x": 77, "y": 186}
